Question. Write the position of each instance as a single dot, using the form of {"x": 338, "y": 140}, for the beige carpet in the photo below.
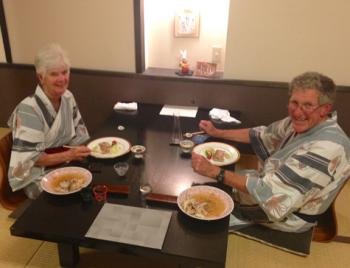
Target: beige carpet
{"x": 241, "y": 252}
{"x": 14, "y": 251}
{"x": 46, "y": 256}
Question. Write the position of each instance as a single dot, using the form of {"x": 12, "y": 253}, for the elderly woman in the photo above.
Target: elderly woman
{"x": 304, "y": 157}
{"x": 48, "y": 119}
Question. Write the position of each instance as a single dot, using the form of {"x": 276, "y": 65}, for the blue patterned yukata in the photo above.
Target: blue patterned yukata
{"x": 36, "y": 126}
{"x": 300, "y": 175}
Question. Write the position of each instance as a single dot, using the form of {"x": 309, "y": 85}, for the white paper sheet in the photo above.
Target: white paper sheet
{"x": 184, "y": 111}
{"x": 131, "y": 225}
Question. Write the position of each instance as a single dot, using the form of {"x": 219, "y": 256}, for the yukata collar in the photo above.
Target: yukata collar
{"x": 305, "y": 137}
{"x": 330, "y": 121}
{"x": 41, "y": 94}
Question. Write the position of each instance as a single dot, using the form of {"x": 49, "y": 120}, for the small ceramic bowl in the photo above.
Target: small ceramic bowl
{"x": 186, "y": 146}
{"x": 138, "y": 151}
{"x": 198, "y": 139}
{"x": 121, "y": 168}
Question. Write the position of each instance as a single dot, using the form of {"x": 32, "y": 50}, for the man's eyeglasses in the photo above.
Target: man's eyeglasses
{"x": 305, "y": 107}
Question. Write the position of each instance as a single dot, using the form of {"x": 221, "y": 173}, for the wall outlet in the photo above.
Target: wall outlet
{"x": 216, "y": 54}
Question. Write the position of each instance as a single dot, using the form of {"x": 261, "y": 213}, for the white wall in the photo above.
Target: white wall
{"x": 275, "y": 40}
{"x": 97, "y": 34}
{"x": 2, "y": 50}
{"x": 162, "y": 48}
{"x": 269, "y": 40}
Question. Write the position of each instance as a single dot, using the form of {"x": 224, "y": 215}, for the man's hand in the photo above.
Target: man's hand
{"x": 208, "y": 127}
{"x": 202, "y": 166}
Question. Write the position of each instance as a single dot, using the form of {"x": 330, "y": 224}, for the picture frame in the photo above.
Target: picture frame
{"x": 205, "y": 69}
{"x": 186, "y": 23}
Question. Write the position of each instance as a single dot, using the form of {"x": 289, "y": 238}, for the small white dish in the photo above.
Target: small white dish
{"x": 122, "y": 147}
{"x": 232, "y": 155}
{"x": 186, "y": 146}
{"x": 138, "y": 151}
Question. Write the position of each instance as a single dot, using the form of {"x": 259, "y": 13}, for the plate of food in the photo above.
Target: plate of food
{"x": 205, "y": 203}
{"x": 109, "y": 147}
{"x": 218, "y": 153}
{"x": 67, "y": 180}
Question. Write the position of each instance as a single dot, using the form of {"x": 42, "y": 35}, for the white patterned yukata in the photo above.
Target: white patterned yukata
{"x": 37, "y": 126}
{"x": 301, "y": 172}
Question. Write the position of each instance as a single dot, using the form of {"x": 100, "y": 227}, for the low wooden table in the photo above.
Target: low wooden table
{"x": 66, "y": 219}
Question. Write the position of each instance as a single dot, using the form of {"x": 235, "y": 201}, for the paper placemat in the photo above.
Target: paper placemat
{"x": 131, "y": 225}
{"x": 183, "y": 111}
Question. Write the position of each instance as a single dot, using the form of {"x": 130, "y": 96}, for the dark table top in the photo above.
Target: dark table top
{"x": 66, "y": 219}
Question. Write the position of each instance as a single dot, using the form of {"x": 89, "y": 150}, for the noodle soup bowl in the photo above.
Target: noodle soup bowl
{"x": 67, "y": 180}
{"x": 205, "y": 203}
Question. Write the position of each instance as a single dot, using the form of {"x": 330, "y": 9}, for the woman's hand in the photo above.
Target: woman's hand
{"x": 202, "y": 166}
{"x": 78, "y": 153}
{"x": 208, "y": 127}
{"x": 51, "y": 159}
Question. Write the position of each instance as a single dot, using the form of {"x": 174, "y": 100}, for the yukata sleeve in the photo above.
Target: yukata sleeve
{"x": 265, "y": 140}
{"x": 81, "y": 132}
{"x": 28, "y": 142}
{"x": 298, "y": 182}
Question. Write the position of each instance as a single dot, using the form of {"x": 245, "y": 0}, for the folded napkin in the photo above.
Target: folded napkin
{"x": 223, "y": 115}
{"x": 131, "y": 106}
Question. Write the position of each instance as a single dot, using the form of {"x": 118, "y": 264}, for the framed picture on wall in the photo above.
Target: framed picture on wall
{"x": 186, "y": 23}
{"x": 205, "y": 69}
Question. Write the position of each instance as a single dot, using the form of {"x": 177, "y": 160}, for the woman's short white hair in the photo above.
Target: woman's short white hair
{"x": 50, "y": 56}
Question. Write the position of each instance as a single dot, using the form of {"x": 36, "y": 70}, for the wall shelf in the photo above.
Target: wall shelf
{"x": 164, "y": 72}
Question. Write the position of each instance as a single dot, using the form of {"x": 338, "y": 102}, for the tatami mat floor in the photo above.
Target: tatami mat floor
{"x": 241, "y": 252}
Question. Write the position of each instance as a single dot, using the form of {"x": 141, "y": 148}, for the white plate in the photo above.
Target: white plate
{"x": 207, "y": 191}
{"x": 49, "y": 180}
{"x": 229, "y": 149}
{"x": 122, "y": 145}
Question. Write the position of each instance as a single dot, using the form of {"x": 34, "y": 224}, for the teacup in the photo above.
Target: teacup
{"x": 138, "y": 151}
{"x": 100, "y": 192}
{"x": 186, "y": 146}
{"x": 121, "y": 168}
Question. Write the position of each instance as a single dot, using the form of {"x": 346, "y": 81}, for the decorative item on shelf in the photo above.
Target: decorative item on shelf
{"x": 186, "y": 23}
{"x": 184, "y": 67}
{"x": 205, "y": 69}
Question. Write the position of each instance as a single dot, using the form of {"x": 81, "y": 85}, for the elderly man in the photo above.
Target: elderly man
{"x": 304, "y": 157}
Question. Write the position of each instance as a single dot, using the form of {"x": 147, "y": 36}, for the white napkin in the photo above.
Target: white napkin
{"x": 132, "y": 106}
{"x": 223, "y": 115}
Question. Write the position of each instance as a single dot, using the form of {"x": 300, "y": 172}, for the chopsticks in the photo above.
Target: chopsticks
{"x": 69, "y": 146}
{"x": 162, "y": 198}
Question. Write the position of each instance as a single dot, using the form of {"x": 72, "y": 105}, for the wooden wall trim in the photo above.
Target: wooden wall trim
{"x": 235, "y": 82}
{"x": 101, "y": 73}
{"x": 260, "y": 103}
{"x": 5, "y": 36}
{"x": 139, "y": 36}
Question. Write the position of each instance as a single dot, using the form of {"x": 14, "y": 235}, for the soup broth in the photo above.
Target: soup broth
{"x": 215, "y": 206}
{"x": 68, "y": 182}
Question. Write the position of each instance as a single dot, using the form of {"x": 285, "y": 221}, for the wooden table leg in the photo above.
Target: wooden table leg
{"x": 68, "y": 254}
